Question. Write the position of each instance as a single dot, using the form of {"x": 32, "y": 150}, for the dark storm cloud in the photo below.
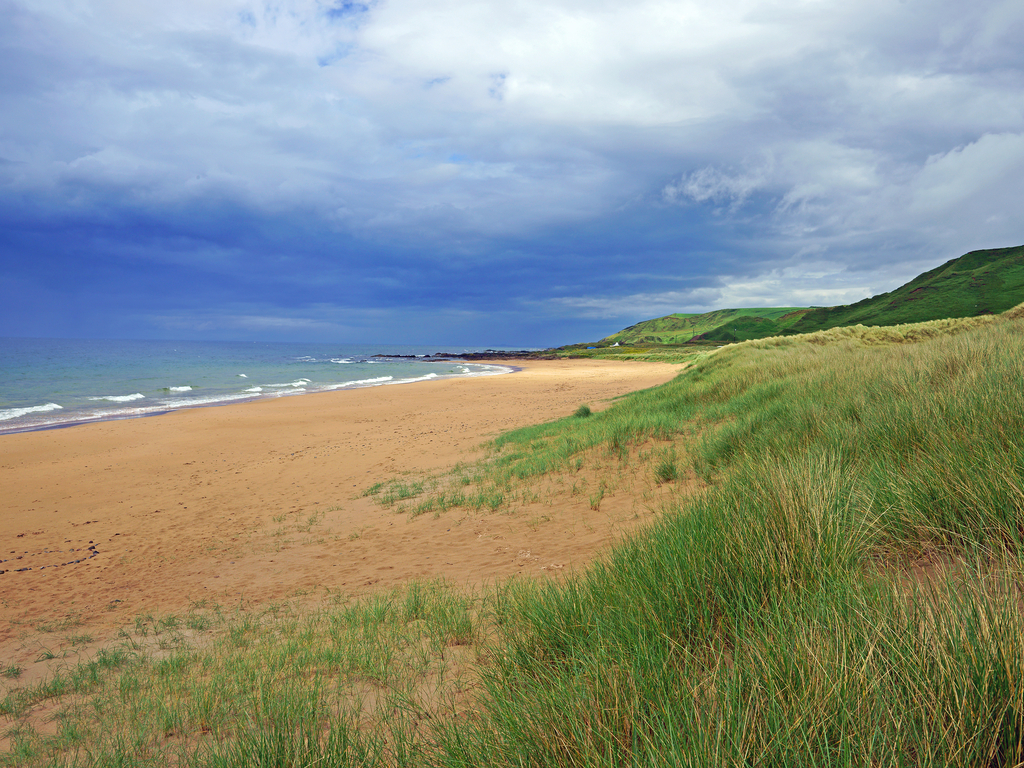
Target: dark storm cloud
{"x": 538, "y": 172}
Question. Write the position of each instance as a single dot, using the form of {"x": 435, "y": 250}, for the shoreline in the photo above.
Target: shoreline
{"x": 264, "y": 501}
{"x": 256, "y": 397}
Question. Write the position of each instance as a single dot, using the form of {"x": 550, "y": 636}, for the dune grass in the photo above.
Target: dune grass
{"x": 846, "y": 590}
{"x": 343, "y": 683}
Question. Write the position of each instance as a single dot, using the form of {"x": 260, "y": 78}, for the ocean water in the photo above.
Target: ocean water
{"x": 46, "y": 383}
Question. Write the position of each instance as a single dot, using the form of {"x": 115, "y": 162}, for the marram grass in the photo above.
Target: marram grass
{"x": 845, "y": 591}
{"x": 342, "y": 684}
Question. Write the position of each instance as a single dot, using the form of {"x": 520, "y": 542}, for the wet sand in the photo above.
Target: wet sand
{"x": 262, "y": 501}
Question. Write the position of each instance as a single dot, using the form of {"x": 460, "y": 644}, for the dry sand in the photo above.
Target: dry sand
{"x": 215, "y": 504}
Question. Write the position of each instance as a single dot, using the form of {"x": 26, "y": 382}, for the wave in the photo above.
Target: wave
{"x": 418, "y": 378}
{"x": 14, "y": 413}
{"x": 361, "y": 382}
{"x": 489, "y": 370}
{"x": 192, "y": 402}
{"x": 107, "y": 407}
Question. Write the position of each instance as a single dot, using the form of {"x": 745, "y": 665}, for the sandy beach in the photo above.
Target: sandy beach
{"x": 262, "y": 501}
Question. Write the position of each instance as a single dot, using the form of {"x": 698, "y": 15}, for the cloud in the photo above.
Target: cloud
{"x": 717, "y": 186}
{"x": 261, "y": 324}
{"x": 808, "y": 285}
{"x": 289, "y": 154}
{"x": 968, "y": 177}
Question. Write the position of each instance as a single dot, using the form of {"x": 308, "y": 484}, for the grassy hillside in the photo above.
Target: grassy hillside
{"x": 681, "y": 328}
{"x": 843, "y": 589}
{"x": 977, "y": 283}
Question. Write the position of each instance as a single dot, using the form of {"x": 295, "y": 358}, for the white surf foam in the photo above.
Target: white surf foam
{"x": 361, "y": 382}
{"x": 489, "y": 370}
{"x": 418, "y": 378}
{"x": 180, "y": 389}
{"x": 120, "y": 398}
{"x": 14, "y": 413}
{"x": 192, "y": 402}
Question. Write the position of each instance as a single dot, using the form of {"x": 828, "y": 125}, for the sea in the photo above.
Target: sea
{"x": 51, "y": 383}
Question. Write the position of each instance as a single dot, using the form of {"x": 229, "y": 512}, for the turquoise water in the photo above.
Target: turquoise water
{"x": 47, "y": 383}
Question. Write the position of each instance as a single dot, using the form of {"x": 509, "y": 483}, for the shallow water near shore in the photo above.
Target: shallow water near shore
{"x": 47, "y": 383}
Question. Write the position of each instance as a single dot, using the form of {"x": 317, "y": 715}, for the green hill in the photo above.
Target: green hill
{"x": 977, "y": 283}
{"x": 681, "y": 328}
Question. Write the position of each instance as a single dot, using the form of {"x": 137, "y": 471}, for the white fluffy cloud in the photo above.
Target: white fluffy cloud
{"x": 308, "y": 99}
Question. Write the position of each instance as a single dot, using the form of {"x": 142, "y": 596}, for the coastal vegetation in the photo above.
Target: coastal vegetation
{"x": 837, "y": 582}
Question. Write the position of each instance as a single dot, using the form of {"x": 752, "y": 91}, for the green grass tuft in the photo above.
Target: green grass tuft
{"x": 667, "y": 469}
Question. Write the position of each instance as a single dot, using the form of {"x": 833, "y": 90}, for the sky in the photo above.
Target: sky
{"x": 524, "y": 173}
